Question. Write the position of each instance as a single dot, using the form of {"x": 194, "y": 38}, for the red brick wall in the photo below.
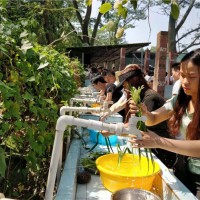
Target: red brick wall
{"x": 160, "y": 62}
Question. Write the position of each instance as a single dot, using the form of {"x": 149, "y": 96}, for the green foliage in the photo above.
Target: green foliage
{"x": 175, "y": 10}
{"x": 122, "y": 11}
{"x": 167, "y": 1}
{"x": 135, "y": 95}
{"x": 134, "y": 3}
{"x": 88, "y": 2}
{"x": 120, "y": 7}
{"x": 2, "y": 162}
{"x": 105, "y": 8}
{"x": 35, "y": 81}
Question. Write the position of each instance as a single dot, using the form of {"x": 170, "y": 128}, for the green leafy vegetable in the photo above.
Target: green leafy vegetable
{"x": 135, "y": 95}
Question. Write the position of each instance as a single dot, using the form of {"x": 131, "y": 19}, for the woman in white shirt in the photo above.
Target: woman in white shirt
{"x": 183, "y": 112}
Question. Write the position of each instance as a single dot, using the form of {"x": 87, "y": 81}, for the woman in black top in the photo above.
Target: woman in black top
{"x": 133, "y": 76}
{"x": 108, "y": 89}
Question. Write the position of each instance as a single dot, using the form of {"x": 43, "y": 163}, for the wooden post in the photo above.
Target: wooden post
{"x": 160, "y": 64}
{"x": 122, "y": 58}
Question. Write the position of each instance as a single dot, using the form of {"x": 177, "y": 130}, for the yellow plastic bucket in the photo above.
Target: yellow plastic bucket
{"x": 133, "y": 172}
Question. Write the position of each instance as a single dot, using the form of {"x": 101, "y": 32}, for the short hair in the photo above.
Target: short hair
{"x": 108, "y": 72}
{"x": 100, "y": 67}
{"x": 176, "y": 66}
{"x": 97, "y": 79}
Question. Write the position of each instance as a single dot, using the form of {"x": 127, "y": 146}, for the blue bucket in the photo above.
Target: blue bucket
{"x": 101, "y": 139}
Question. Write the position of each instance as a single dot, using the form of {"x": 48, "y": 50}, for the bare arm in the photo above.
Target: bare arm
{"x": 152, "y": 140}
{"x": 154, "y": 117}
{"x": 116, "y": 107}
{"x": 157, "y": 116}
{"x": 109, "y": 96}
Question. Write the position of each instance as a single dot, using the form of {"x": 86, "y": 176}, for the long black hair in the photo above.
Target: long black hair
{"x": 193, "y": 129}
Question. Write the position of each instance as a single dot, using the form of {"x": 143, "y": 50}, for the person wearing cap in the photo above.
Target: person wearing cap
{"x": 108, "y": 89}
{"x": 134, "y": 77}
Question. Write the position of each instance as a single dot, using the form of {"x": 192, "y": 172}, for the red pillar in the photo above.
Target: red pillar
{"x": 146, "y": 60}
{"x": 160, "y": 64}
{"x": 122, "y": 62}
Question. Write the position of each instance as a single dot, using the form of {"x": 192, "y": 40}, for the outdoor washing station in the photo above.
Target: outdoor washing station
{"x": 165, "y": 184}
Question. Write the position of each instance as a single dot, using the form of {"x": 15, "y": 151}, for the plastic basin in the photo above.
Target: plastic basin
{"x": 133, "y": 172}
{"x": 101, "y": 139}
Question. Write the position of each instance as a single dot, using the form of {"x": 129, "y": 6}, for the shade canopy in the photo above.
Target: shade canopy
{"x": 100, "y": 54}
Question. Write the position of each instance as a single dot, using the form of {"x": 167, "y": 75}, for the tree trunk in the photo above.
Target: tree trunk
{"x": 172, "y": 35}
{"x": 94, "y": 32}
{"x": 47, "y": 25}
{"x": 85, "y": 25}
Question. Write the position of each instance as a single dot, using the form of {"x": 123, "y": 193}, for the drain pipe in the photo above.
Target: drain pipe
{"x": 65, "y": 120}
{"x": 70, "y": 109}
{"x": 88, "y": 101}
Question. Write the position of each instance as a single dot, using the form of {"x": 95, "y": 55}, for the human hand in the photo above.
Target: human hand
{"x": 149, "y": 140}
{"x": 103, "y": 117}
{"x": 106, "y": 133}
{"x": 135, "y": 109}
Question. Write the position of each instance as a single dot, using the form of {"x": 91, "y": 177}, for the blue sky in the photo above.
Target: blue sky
{"x": 158, "y": 22}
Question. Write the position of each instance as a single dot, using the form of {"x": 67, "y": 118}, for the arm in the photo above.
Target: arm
{"x": 116, "y": 107}
{"x": 154, "y": 117}
{"x": 108, "y": 96}
{"x": 157, "y": 116}
{"x": 184, "y": 147}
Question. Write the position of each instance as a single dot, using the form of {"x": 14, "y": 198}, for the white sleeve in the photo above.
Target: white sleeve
{"x": 169, "y": 105}
{"x": 176, "y": 87}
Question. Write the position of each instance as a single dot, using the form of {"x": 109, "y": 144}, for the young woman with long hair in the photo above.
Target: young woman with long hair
{"x": 183, "y": 113}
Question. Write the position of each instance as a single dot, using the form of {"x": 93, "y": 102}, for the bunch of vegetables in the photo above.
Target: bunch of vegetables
{"x": 135, "y": 95}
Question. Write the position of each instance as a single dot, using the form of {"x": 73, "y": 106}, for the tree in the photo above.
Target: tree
{"x": 92, "y": 30}
{"x": 177, "y": 22}
{"x": 115, "y": 24}
{"x": 47, "y": 21}
{"x": 172, "y": 8}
